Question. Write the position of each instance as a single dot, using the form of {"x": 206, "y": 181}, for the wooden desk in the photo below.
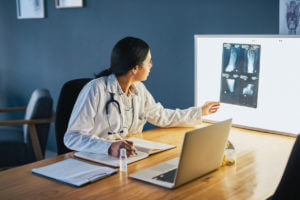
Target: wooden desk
{"x": 261, "y": 159}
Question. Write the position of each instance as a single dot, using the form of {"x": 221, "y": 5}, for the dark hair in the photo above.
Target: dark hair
{"x": 126, "y": 54}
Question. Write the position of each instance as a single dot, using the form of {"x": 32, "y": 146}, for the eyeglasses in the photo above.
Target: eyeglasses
{"x": 148, "y": 64}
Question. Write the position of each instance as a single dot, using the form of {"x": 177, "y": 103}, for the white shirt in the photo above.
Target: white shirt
{"x": 88, "y": 126}
{"x": 128, "y": 110}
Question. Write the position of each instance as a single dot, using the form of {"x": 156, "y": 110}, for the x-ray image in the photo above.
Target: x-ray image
{"x": 240, "y": 74}
{"x": 248, "y": 90}
{"x": 231, "y": 66}
{"x": 230, "y": 84}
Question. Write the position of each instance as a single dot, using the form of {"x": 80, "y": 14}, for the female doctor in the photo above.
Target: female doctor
{"x": 117, "y": 103}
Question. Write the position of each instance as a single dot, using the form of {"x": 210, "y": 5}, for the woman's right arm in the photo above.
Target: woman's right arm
{"x": 78, "y": 135}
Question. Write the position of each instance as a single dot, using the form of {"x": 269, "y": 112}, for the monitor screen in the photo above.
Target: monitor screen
{"x": 256, "y": 78}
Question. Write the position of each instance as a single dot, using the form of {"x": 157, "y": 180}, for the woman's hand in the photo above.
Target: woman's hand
{"x": 115, "y": 147}
{"x": 210, "y": 107}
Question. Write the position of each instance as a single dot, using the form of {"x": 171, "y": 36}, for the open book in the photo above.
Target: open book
{"x": 144, "y": 149}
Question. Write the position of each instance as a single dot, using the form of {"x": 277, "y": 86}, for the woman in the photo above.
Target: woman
{"x": 117, "y": 103}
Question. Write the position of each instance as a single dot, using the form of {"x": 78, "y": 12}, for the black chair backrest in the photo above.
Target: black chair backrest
{"x": 40, "y": 106}
{"x": 66, "y": 101}
{"x": 288, "y": 187}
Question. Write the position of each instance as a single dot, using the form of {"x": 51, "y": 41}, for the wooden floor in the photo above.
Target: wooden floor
{"x": 261, "y": 159}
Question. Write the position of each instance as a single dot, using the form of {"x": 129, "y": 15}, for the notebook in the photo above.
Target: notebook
{"x": 144, "y": 149}
{"x": 74, "y": 172}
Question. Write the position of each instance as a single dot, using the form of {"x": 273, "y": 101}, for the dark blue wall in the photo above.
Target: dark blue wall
{"x": 74, "y": 43}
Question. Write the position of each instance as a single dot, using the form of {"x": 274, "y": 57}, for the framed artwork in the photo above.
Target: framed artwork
{"x": 289, "y": 17}
{"x": 69, "y": 3}
{"x": 29, "y": 9}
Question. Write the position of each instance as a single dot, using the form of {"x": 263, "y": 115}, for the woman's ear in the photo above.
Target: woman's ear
{"x": 134, "y": 70}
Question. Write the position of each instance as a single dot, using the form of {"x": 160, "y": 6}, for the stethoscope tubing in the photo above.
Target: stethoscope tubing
{"x": 111, "y": 101}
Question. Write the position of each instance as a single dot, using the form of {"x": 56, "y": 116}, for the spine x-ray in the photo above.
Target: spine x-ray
{"x": 240, "y": 74}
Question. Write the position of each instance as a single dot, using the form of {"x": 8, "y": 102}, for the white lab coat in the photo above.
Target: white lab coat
{"x": 88, "y": 125}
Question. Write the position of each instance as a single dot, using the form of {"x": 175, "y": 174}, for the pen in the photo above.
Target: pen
{"x": 121, "y": 138}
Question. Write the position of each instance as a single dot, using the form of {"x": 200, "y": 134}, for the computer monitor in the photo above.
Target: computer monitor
{"x": 256, "y": 78}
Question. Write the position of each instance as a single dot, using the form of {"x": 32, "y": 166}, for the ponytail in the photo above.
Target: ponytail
{"x": 105, "y": 72}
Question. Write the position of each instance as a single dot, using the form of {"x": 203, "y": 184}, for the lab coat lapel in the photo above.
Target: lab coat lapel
{"x": 135, "y": 112}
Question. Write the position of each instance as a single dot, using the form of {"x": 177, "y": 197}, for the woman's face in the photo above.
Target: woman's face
{"x": 144, "y": 69}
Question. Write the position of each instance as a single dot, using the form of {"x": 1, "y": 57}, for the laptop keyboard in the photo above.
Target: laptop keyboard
{"x": 167, "y": 176}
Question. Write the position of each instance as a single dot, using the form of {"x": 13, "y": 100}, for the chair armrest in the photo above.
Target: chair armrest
{"x": 32, "y": 121}
{"x": 32, "y": 132}
{"x": 13, "y": 109}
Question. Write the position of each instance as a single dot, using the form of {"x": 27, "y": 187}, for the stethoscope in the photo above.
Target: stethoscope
{"x": 113, "y": 101}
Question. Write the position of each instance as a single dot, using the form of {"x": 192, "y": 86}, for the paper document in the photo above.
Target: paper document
{"x": 109, "y": 160}
{"x": 144, "y": 149}
{"x": 74, "y": 172}
{"x": 149, "y": 146}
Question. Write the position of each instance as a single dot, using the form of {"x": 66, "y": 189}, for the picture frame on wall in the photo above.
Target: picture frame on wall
{"x": 69, "y": 3}
{"x": 289, "y": 17}
{"x": 30, "y": 9}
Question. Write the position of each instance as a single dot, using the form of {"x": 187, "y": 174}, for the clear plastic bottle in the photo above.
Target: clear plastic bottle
{"x": 230, "y": 156}
{"x": 123, "y": 160}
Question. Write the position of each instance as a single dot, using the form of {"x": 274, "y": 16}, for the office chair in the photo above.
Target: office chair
{"x": 66, "y": 101}
{"x": 288, "y": 188}
{"x": 21, "y": 146}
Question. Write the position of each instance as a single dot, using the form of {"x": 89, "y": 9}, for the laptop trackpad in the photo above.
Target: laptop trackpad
{"x": 166, "y": 166}
{"x": 167, "y": 169}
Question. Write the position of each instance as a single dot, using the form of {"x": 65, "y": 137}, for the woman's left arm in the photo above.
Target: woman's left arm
{"x": 158, "y": 115}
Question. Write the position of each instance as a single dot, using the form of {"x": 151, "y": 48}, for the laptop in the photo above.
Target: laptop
{"x": 202, "y": 152}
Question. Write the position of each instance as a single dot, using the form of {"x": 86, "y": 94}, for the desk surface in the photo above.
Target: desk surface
{"x": 261, "y": 159}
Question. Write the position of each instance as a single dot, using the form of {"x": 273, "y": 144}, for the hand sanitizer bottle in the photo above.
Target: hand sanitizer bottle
{"x": 123, "y": 160}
